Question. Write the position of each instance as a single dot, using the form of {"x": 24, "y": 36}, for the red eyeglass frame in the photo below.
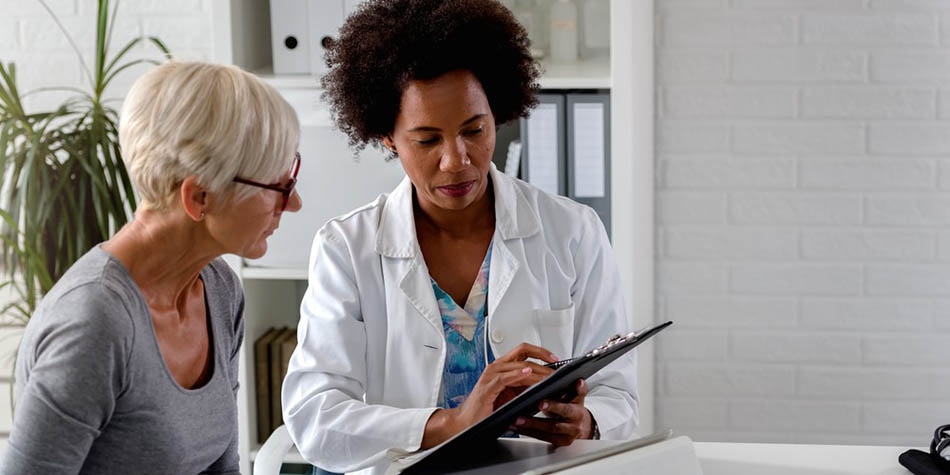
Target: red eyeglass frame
{"x": 285, "y": 189}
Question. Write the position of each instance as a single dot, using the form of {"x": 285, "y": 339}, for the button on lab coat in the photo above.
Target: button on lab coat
{"x": 366, "y": 374}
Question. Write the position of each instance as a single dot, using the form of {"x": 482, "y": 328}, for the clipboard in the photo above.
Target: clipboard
{"x": 558, "y": 386}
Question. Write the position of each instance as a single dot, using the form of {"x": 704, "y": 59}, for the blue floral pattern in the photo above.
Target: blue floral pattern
{"x": 466, "y": 353}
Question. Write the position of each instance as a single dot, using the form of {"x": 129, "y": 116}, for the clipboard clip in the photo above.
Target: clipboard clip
{"x": 610, "y": 343}
{"x": 616, "y": 340}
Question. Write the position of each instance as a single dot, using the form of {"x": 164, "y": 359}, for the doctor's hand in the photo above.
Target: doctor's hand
{"x": 502, "y": 380}
{"x": 564, "y": 423}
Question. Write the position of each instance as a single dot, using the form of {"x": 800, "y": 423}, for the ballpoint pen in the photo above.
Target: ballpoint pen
{"x": 557, "y": 364}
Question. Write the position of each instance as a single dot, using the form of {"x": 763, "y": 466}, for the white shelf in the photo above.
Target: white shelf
{"x": 591, "y": 73}
{"x": 273, "y": 273}
{"x": 287, "y": 81}
{"x": 584, "y": 74}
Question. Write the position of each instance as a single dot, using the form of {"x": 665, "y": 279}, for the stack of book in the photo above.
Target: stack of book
{"x": 271, "y": 357}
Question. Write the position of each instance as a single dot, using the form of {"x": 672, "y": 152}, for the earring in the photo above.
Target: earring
{"x": 201, "y": 216}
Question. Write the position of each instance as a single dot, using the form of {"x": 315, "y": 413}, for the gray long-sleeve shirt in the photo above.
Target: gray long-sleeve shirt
{"x": 94, "y": 394}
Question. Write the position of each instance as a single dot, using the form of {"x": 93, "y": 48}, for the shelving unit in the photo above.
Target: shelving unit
{"x": 585, "y": 74}
{"x": 272, "y": 295}
{"x": 287, "y": 81}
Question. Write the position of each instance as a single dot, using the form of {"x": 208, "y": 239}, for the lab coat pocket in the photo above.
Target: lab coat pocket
{"x": 556, "y": 330}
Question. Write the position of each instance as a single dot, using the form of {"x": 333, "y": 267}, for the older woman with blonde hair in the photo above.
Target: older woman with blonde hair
{"x": 130, "y": 363}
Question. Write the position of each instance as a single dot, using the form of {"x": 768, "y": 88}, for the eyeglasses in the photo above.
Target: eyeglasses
{"x": 285, "y": 189}
{"x": 939, "y": 444}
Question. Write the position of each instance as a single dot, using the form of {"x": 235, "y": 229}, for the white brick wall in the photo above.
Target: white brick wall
{"x": 929, "y": 67}
{"x": 803, "y": 180}
{"x": 869, "y": 102}
{"x": 798, "y": 65}
{"x": 30, "y": 38}
{"x": 43, "y": 57}
{"x": 884, "y": 29}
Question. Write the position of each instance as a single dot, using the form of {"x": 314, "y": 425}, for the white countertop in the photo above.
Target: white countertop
{"x": 721, "y": 458}
{"x": 786, "y": 459}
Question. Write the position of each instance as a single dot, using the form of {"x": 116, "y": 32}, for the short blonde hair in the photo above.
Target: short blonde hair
{"x": 210, "y": 121}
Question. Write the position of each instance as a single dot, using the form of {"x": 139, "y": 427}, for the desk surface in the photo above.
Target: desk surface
{"x": 720, "y": 458}
{"x": 787, "y": 459}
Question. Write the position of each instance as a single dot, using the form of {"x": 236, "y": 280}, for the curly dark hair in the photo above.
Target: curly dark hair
{"x": 387, "y": 43}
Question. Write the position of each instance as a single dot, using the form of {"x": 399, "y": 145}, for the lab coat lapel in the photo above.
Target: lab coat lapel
{"x": 503, "y": 268}
{"x": 396, "y": 239}
{"x": 514, "y": 220}
{"x": 418, "y": 289}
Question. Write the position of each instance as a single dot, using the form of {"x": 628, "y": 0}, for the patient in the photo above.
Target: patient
{"x": 130, "y": 363}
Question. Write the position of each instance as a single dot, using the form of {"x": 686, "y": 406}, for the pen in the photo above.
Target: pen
{"x": 559, "y": 363}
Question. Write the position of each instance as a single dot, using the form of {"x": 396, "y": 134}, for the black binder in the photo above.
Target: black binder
{"x": 558, "y": 149}
{"x": 558, "y": 386}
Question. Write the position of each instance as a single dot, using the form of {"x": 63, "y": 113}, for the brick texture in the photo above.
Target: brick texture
{"x": 804, "y": 160}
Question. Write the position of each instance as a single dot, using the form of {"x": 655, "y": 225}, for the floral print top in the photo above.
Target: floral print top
{"x": 467, "y": 353}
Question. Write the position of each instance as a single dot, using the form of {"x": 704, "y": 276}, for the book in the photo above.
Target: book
{"x": 287, "y": 347}
{"x": 262, "y": 383}
{"x": 276, "y": 418}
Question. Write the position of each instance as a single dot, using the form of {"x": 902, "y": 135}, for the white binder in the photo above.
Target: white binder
{"x": 290, "y": 36}
{"x": 326, "y": 18}
{"x": 301, "y": 30}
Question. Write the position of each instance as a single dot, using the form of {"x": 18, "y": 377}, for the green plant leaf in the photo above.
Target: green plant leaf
{"x": 110, "y": 27}
{"x": 65, "y": 187}
{"x": 72, "y": 43}
{"x": 161, "y": 46}
{"x": 128, "y": 65}
{"x": 118, "y": 57}
{"x": 9, "y": 93}
{"x": 102, "y": 24}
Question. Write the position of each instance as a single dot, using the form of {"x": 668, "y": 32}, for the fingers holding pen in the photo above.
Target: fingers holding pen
{"x": 526, "y": 350}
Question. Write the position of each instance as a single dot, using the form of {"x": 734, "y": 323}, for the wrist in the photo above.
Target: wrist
{"x": 442, "y": 424}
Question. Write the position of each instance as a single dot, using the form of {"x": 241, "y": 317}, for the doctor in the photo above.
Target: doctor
{"x": 435, "y": 304}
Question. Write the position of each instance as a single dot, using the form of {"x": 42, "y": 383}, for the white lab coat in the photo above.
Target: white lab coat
{"x": 367, "y": 370}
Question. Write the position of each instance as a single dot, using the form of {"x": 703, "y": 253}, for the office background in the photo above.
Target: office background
{"x": 802, "y": 219}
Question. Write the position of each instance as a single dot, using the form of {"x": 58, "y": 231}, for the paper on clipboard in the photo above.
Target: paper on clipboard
{"x": 589, "y": 175}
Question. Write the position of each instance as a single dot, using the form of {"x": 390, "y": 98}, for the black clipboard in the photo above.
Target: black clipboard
{"x": 558, "y": 386}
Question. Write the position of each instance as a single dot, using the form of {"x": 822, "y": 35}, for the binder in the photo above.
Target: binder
{"x": 290, "y": 37}
{"x": 262, "y": 380}
{"x": 566, "y": 148}
{"x": 277, "y": 418}
{"x": 301, "y": 31}
{"x": 287, "y": 347}
{"x": 543, "y": 162}
{"x": 588, "y": 147}
{"x": 326, "y": 18}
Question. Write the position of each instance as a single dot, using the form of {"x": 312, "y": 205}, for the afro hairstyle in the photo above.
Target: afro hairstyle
{"x": 387, "y": 43}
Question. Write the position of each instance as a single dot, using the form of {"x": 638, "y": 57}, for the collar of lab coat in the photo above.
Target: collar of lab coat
{"x": 396, "y": 235}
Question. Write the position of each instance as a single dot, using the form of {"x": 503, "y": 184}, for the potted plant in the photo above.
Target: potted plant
{"x": 65, "y": 187}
